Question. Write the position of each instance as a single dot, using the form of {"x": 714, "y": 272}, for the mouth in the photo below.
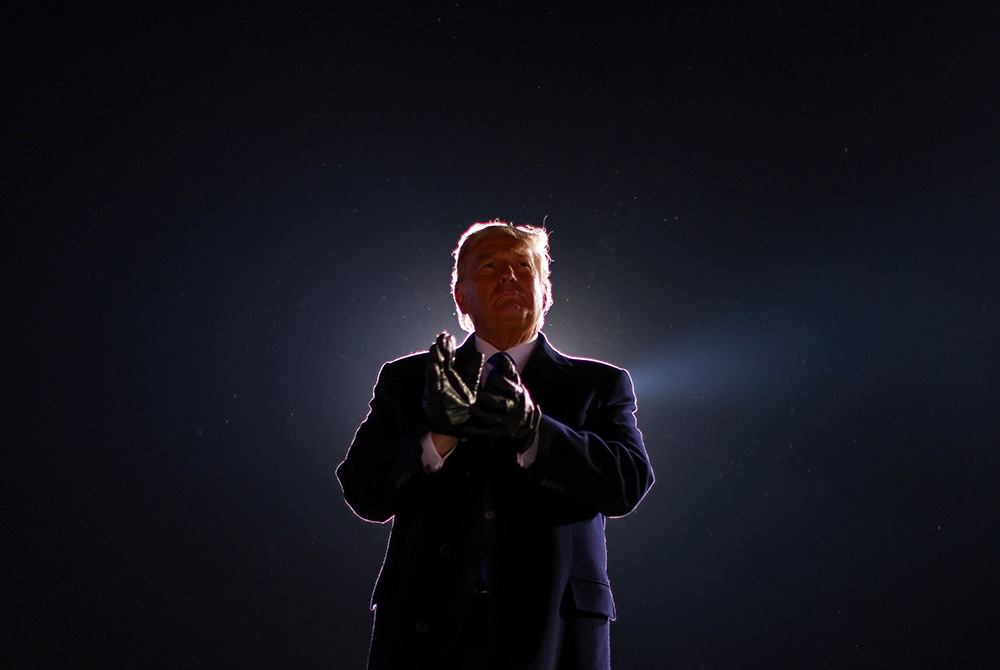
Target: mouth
{"x": 508, "y": 296}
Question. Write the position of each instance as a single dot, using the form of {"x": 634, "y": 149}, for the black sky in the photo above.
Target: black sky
{"x": 221, "y": 221}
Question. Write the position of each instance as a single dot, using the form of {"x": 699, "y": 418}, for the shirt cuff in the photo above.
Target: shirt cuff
{"x": 527, "y": 457}
{"x": 430, "y": 457}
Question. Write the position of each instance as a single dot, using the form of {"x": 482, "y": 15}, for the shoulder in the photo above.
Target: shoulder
{"x": 594, "y": 365}
{"x": 417, "y": 358}
{"x": 410, "y": 366}
{"x": 581, "y": 367}
{"x": 581, "y": 363}
{"x": 589, "y": 372}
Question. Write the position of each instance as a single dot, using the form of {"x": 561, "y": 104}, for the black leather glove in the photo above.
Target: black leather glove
{"x": 504, "y": 407}
{"x": 448, "y": 395}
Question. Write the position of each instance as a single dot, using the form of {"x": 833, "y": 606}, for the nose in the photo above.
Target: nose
{"x": 507, "y": 274}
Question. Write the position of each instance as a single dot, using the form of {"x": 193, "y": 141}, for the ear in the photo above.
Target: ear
{"x": 463, "y": 304}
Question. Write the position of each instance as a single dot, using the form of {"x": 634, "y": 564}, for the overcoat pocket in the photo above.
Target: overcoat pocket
{"x": 592, "y": 598}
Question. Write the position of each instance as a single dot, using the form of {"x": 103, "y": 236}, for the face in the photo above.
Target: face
{"x": 502, "y": 291}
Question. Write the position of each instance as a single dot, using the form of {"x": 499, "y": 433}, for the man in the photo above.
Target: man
{"x": 498, "y": 477}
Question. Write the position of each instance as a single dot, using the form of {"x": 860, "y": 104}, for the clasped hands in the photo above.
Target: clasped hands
{"x": 456, "y": 406}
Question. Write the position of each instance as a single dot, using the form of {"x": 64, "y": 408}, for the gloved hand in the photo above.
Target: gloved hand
{"x": 504, "y": 407}
{"x": 448, "y": 395}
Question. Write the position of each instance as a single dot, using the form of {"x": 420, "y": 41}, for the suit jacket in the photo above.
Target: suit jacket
{"x": 539, "y": 531}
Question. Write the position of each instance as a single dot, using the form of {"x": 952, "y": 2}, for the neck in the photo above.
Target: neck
{"x": 505, "y": 341}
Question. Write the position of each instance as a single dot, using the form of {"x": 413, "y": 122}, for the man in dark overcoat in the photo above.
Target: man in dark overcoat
{"x": 498, "y": 463}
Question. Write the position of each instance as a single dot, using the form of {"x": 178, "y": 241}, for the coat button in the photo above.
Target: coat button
{"x": 446, "y": 550}
{"x": 421, "y": 627}
{"x": 489, "y": 514}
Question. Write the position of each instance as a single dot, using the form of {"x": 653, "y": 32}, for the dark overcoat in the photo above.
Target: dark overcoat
{"x": 539, "y": 531}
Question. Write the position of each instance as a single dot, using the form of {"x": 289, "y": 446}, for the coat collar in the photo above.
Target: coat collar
{"x": 543, "y": 354}
{"x": 543, "y": 373}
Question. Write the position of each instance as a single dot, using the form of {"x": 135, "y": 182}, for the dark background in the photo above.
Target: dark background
{"x": 221, "y": 220}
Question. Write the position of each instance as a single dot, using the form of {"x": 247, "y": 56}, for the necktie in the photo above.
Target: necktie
{"x": 493, "y": 360}
{"x": 488, "y": 504}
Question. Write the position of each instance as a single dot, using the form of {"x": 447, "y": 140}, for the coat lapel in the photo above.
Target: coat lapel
{"x": 465, "y": 353}
{"x": 546, "y": 371}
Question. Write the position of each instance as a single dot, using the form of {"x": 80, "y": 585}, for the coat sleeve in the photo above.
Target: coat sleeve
{"x": 383, "y": 465}
{"x": 597, "y": 459}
